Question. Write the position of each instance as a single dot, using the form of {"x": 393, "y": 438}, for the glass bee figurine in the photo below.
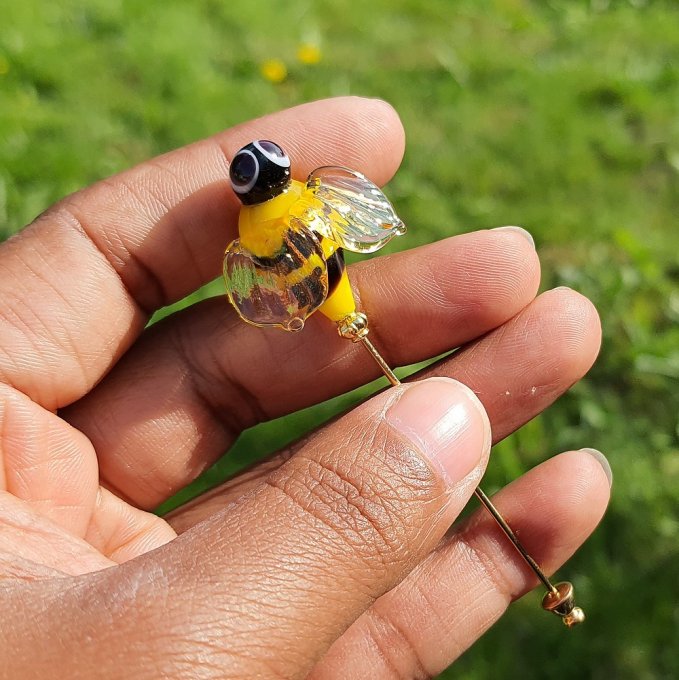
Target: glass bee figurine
{"x": 288, "y": 263}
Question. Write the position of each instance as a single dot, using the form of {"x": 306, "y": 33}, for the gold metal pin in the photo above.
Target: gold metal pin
{"x": 559, "y": 598}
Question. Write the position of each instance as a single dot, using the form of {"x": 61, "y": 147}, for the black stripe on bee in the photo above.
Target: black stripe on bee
{"x": 297, "y": 241}
{"x": 309, "y": 292}
{"x": 294, "y": 251}
{"x": 335, "y": 269}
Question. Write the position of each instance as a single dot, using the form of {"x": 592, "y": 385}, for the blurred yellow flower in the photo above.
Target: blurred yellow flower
{"x": 274, "y": 70}
{"x": 4, "y": 66}
{"x": 308, "y": 53}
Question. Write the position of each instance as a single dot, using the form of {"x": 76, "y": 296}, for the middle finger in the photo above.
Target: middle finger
{"x": 182, "y": 395}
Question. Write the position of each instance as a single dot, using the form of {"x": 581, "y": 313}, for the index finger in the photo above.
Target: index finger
{"x": 79, "y": 284}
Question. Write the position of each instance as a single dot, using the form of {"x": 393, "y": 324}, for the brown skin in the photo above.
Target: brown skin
{"x": 333, "y": 558}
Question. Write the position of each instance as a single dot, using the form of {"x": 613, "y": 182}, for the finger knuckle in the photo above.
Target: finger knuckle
{"x": 396, "y": 649}
{"x": 494, "y": 566}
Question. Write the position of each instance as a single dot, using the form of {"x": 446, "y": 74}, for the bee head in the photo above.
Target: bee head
{"x": 259, "y": 171}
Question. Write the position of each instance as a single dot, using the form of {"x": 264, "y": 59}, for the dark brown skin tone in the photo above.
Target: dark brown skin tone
{"x": 333, "y": 559}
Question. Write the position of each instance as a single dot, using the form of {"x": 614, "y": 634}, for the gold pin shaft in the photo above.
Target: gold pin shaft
{"x": 479, "y": 492}
{"x": 391, "y": 376}
{"x": 559, "y": 598}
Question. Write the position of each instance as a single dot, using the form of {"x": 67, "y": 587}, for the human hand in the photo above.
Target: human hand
{"x": 332, "y": 558}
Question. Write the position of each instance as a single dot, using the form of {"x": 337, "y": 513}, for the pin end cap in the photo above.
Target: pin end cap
{"x": 561, "y": 602}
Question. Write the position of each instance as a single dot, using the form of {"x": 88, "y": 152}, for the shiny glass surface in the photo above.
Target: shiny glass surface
{"x": 282, "y": 290}
{"x": 355, "y": 212}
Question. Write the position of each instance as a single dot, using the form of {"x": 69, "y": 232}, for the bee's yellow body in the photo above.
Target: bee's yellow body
{"x": 262, "y": 228}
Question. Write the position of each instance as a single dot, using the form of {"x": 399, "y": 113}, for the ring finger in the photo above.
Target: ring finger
{"x": 463, "y": 587}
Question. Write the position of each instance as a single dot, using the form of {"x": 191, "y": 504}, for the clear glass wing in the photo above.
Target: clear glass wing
{"x": 282, "y": 290}
{"x": 353, "y": 211}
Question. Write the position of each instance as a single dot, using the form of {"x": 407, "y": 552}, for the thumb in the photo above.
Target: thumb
{"x": 264, "y": 587}
{"x": 343, "y": 521}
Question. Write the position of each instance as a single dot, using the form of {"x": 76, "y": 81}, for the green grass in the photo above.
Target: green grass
{"x": 560, "y": 116}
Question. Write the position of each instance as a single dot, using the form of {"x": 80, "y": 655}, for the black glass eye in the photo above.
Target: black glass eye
{"x": 259, "y": 172}
{"x": 244, "y": 171}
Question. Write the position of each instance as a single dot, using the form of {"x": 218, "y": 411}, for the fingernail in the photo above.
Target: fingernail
{"x": 447, "y": 423}
{"x": 603, "y": 461}
{"x": 519, "y": 230}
